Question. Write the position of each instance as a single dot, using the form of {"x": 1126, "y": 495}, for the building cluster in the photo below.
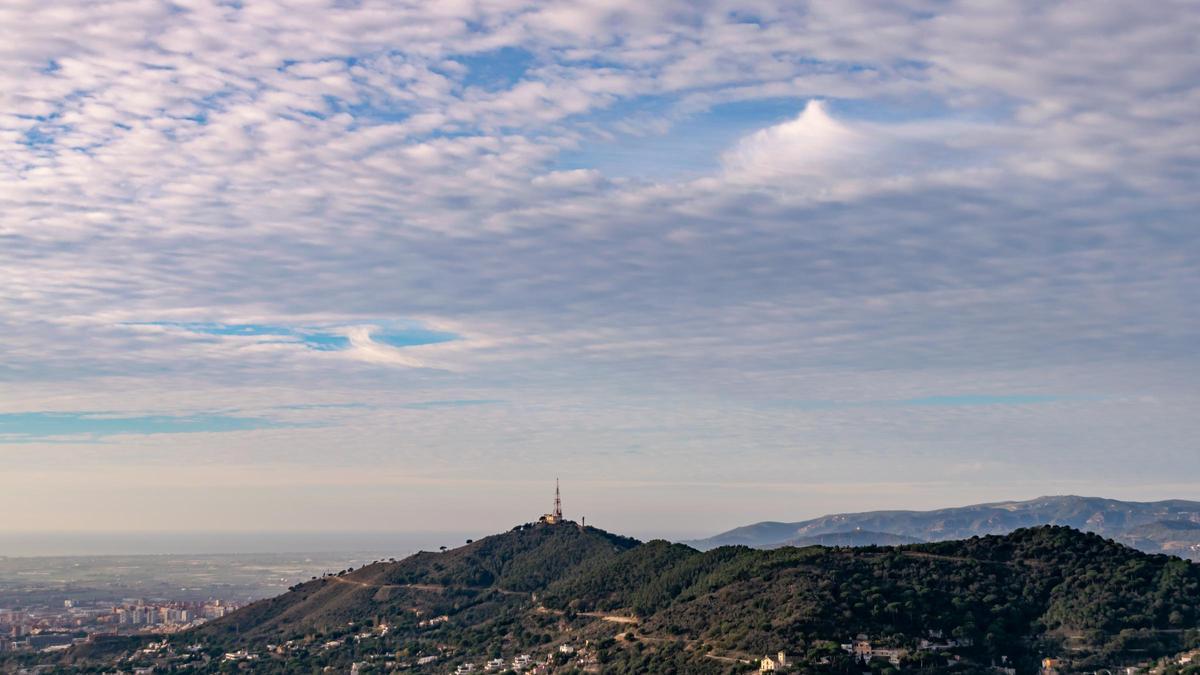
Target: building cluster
{"x": 429, "y": 623}
{"x": 165, "y": 656}
{"x": 1054, "y": 666}
{"x": 864, "y": 651}
{"x": 1179, "y": 662}
{"x": 580, "y": 656}
{"x": 528, "y": 663}
{"x": 141, "y": 613}
{"x": 48, "y": 628}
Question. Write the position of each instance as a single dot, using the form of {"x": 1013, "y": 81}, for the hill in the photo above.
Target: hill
{"x": 482, "y": 577}
{"x": 1177, "y": 537}
{"x": 851, "y": 538}
{"x": 1000, "y": 598}
{"x": 576, "y": 598}
{"x": 1033, "y": 591}
{"x": 1112, "y": 518}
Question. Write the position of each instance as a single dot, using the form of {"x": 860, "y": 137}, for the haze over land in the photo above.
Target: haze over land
{"x": 367, "y": 266}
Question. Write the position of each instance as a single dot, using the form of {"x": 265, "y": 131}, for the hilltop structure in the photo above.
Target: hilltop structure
{"x": 554, "y": 517}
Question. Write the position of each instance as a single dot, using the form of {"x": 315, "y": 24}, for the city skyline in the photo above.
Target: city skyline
{"x": 373, "y": 267}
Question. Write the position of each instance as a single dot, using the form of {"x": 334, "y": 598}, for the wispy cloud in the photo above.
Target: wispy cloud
{"x": 462, "y": 403}
{"x": 943, "y": 401}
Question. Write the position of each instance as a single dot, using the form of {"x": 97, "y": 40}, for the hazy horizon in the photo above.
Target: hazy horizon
{"x": 87, "y": 544}
{"x": 393, "y": 543}
{"x": 371, "y": 266}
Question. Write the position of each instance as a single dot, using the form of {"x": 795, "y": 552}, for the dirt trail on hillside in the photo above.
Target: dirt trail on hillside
{"x": 433, "y": 588}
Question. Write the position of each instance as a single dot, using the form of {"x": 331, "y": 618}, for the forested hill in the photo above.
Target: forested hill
{"x": 486, "y": 575}
{"x": 1001, "y": 592}
{"x": 1011, "y": 599}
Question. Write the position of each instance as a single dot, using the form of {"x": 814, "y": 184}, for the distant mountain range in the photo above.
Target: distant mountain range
{"x": 1171, "y": 526}
{"x": 852, "y": 538}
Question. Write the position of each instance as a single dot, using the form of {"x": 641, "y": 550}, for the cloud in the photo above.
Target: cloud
{"x": 372, "y": 342}
{"x": 640, "y": 224}
{"x": 816, "y": 154}
{"x": 811, "y": 146}
{"x": 365, "y": 348}
{"x": 574, "y": 180}
{"x": 936, "y": 401}
{"x": 428, "y": 405}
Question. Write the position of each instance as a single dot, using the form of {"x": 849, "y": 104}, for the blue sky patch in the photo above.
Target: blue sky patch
{"x": 33, "y": 426}
{"x": 497, "y": 69}
{"x": 411, "y": 337}
{"x": 325, "y": 342}
{"x": 319, "y": 338}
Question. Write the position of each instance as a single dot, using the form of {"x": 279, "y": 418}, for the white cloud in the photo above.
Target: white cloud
{"x": 976, "y": 192}
{"x": 811, "y": 146}
{"x": 440, "y": 356}
{"x": 572, "y": 180}
{"x": 817, "y": 155}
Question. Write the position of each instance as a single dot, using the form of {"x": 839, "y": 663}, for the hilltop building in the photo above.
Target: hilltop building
{"x": 554, "y": 517}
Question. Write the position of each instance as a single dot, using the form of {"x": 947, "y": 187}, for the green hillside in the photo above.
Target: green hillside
{"x": 1017, "y": 596}
{"x": 614, "y": 605}
{"x": 483, "y": 577}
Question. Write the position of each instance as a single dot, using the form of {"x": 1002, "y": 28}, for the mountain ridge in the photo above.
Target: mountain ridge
{"x": 1116, "y": 519}
{"x": 1015, "y": 596}
{"x": 578, "y": 598}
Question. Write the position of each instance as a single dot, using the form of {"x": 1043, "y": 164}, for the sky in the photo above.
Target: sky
{"x": 396, "y": 266}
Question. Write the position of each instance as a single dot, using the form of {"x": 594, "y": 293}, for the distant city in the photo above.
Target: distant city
{"x": 50, "y": 603}
{"x": 49, "y": 629}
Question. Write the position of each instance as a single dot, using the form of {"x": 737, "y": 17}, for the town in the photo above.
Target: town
{"x": 48, "y": 629}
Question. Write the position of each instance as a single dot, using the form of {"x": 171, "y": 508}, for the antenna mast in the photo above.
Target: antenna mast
{"x": 557, "y": 502}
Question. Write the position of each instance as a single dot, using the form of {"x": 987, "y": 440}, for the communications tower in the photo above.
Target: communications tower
{"x": 555, "y": 516}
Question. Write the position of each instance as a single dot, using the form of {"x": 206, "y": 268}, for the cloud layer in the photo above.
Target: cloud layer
{"x": 638, "y": 226}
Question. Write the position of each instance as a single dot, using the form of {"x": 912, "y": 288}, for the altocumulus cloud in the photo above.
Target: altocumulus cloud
{"x": 852, "y": 201}
{"x": 820, "y": 156}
